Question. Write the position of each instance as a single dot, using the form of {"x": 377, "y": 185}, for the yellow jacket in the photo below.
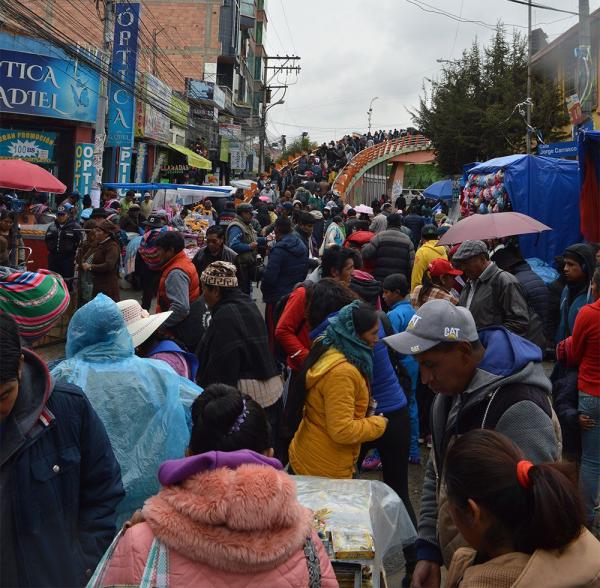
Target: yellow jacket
{"x": 333, "y": 427}
{"x": 423, "y": 257}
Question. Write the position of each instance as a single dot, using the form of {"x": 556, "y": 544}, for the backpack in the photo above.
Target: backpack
{"x": 279, "y": 353}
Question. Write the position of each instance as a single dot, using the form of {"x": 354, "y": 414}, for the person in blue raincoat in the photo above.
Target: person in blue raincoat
{"x": 143, "y": 403}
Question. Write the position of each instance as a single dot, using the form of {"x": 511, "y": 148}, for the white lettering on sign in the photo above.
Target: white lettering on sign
{"x": 24, "y": 71}
{"x": 11, "y": 97}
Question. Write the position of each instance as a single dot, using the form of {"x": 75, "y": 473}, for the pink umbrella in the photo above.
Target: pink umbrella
{"x": 22, "y": 175}
{"x": 264, "y": 199}
{"x": 492, "y": 226}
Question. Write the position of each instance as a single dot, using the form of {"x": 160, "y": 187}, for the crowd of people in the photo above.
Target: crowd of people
{"x": 185, "y": 416}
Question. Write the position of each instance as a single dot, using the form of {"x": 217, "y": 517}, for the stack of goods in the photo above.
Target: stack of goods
{"x": 36, "y": 300}
{"x": 484, "y": 193}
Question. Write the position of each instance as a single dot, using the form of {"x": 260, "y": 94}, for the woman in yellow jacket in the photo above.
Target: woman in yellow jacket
{"x": 337, "y": 376}
{"x": 425, "y": 254}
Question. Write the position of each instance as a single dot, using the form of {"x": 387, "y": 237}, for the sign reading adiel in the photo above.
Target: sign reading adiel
{"x": 40, "y": 85}
{"x": 121, "y": 105}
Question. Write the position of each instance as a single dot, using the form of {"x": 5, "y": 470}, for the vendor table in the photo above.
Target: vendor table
{"x": 359, "y": 506}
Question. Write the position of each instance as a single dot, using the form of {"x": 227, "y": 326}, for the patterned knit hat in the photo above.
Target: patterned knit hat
{"x": 220, "y": 273}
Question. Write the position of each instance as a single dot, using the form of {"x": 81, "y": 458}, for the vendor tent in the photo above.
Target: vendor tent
{"x": 546, "y": 189}
{"x": 589, "y": 164}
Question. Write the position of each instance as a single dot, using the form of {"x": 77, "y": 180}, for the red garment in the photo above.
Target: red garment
{"x": 584, "y": 348}
{"x": 292, "y": 331}
{"x": 181, "y": 262}
{"x": 589, "y": 201}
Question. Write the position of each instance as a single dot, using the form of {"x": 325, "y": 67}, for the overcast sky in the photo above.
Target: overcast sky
{"x": 354, "y": 50}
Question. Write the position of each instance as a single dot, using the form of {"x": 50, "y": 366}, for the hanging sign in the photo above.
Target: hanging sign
{"x": 121, "y": 105}
{"x": 84, "y": 172}
{"x": 34, "y": 146}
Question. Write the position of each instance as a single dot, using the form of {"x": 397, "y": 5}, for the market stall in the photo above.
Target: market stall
{"x": 359, "y": 522}
{"x": 588, "y": 150}
{"x": 544, "y": 188}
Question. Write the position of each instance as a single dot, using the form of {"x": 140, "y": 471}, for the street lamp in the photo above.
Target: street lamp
{"x": 370, "y": 111}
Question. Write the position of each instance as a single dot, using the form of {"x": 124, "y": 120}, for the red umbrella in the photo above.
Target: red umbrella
{"x": 22, "y": 175}
{"x": 492, "y": 226}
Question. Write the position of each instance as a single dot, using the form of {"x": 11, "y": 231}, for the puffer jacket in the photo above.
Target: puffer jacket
{"x": 392, "y": 252}
{"x": 334, "y": 424}
{"x": 287, "y": 265}
{"x": 574, "y": 566}
{"x": 423, "y": 257}
{"x": 509, "y": 393}
{"x": 536, "y": 292}
{"x": 63, "y": 239}
{"x": 228, "y": 519}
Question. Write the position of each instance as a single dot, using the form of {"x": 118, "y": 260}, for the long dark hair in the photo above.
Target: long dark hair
{"x": 327, "y": 296}
{"x": 548, "y": 514}
{"x": 427, "y": 285}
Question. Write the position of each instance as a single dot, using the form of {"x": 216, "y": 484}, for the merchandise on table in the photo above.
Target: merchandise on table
{"x": 484, "y": 193}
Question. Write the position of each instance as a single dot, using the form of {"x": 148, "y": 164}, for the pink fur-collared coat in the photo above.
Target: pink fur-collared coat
{"x": 225, "y": 528}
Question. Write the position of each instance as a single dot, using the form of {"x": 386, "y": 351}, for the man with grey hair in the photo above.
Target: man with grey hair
{"x": 494, "y": 296}
{"x": 488, "y": 379}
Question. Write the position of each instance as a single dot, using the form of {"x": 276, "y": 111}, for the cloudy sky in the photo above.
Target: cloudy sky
{"x": 354, "y": 50}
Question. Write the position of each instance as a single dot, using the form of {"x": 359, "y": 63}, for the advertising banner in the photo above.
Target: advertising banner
{"x": 157, "y": 124}
{"x": 230, "y": 130}
{"x": 179, "y": 110}
{"x": 121, "y": 101}
{"x": 40, "y": 85}
{"x": 33, "y": 146}
{"x": 140, "y": 162}
{"x": 83, "y": 172}
{"x": 224, "y": 150}
{"x": 238, "y": 159}
{"x": 201, "y": 90}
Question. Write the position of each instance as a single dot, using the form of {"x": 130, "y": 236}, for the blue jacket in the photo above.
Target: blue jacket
{"x": 60, "y": 484}
{"x": 385, "y": 388}
{"x": 568, "y": 312}
{"x": 288, "y": 265}
{"x": 400, "y": 315}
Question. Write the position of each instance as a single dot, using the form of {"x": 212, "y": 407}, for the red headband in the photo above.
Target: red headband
{"x": 523, "y": 468}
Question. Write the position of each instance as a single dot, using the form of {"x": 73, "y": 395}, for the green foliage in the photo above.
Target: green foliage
{"x": 297, "y": 146}
{"x": 470, "y": 115}
{"x": 421, "y": 175}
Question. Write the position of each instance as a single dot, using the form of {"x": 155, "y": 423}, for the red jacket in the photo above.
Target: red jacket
{"x": 181, "y": 262}
{"x": 292, "y": 331}
{"x": 583, "y": 348}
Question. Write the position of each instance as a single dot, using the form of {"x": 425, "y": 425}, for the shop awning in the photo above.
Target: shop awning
{"x": 193, "y": 159}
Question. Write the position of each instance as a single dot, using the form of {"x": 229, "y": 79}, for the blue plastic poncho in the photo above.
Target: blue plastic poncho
{"x": 142, "y": 402}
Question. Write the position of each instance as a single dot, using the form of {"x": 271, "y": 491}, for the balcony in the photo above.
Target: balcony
{"x": 247, "y": 14}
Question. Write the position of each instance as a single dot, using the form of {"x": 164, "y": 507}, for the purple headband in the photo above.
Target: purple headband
{"x": 240, "y": 420}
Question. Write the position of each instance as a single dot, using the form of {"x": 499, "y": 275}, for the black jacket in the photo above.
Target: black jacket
{"x": 536, "y": 292}
{"x": 63, "y": 239}
{"x": 60, "y": 485}
{"x": 392, "y": 252}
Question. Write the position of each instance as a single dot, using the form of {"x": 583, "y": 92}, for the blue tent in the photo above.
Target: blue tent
{"x": 546, "y": 189}
{"x": 441, "y": 189}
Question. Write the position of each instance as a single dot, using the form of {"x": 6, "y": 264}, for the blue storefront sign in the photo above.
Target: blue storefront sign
{"x": 121, "y": 105}
{"x": 124, "y": 171}
{"x": 83, "y": 172}
{"x": 34, "y": 146}
{"x": 564, "y": 149}
{"x": 40, "y": 85}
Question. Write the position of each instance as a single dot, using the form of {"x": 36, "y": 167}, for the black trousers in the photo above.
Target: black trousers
{"x": 149, "y": 280}
{"x": 63, "y": 264}
{"x": 393, "y": 447}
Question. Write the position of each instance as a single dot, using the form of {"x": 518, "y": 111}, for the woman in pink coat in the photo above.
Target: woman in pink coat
{"x": 228, "y": 514}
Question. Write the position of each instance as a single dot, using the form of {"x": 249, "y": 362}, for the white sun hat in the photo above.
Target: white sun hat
{"x": 140, "y": 323}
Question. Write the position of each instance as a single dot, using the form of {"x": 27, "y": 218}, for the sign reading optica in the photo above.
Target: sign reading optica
{"x": 33, "y": 146}
{"x": 40, "y": 85}
{"x": 121, "y": 105}
{"x": 83, "y": 172}
{"x": 564, "y": 149}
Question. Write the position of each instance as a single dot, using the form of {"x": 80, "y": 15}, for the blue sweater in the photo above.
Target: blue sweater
{"x": 400, "y": 315}
{"x": 385, "y": 388}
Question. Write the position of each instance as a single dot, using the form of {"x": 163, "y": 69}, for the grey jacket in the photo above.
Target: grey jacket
{"x": 498, "y": 301}
{"x": 517, "y": 405}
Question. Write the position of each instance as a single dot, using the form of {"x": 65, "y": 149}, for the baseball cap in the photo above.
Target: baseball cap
{"x": 437, "y": 321}
{"x": 470, "y": 249}
{"x": 64, "y": 208}
{"x": 442, "y": 267}
{"x": 156, "y": 220}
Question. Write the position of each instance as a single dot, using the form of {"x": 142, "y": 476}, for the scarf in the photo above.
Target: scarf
{"x": 342, "y": 335}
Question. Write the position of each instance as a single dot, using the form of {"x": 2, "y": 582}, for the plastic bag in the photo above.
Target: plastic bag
{"x": 143, "y": 403}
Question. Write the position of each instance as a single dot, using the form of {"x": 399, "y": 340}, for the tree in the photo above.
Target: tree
{"x": 470, "y": 113}
{"x": 297, "y": 146}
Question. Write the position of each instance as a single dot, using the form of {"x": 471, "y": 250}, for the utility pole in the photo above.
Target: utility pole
{"x": 529, "y": 55}
{"x": 370, "y": 111}
{"x": 108, "y": 29}
{"x": 283, "y": 143}
{"x": 585, "y": 78}
{"x": 266, "y": 89}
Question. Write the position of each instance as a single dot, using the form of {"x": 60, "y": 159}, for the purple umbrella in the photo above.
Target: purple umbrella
{"x": 492, "y": 226}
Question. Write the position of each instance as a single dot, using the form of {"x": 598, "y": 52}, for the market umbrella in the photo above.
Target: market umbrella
{"x": 363, "y": 209}
{"x": 22, "y": 175}
{"x": 441, "y": 189}
{"x": 492, "y": 226}
{"x": 264, "y": 199}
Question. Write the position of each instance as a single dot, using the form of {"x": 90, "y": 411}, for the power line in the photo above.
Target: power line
{"x": 288, "y": 26}
{"x": 543, "y": 7}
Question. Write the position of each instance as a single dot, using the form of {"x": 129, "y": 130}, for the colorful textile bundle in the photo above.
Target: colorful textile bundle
{"x": 484, "y": 193}
{"x": 36, "y": 300}
{"x": 147, "y": 248}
